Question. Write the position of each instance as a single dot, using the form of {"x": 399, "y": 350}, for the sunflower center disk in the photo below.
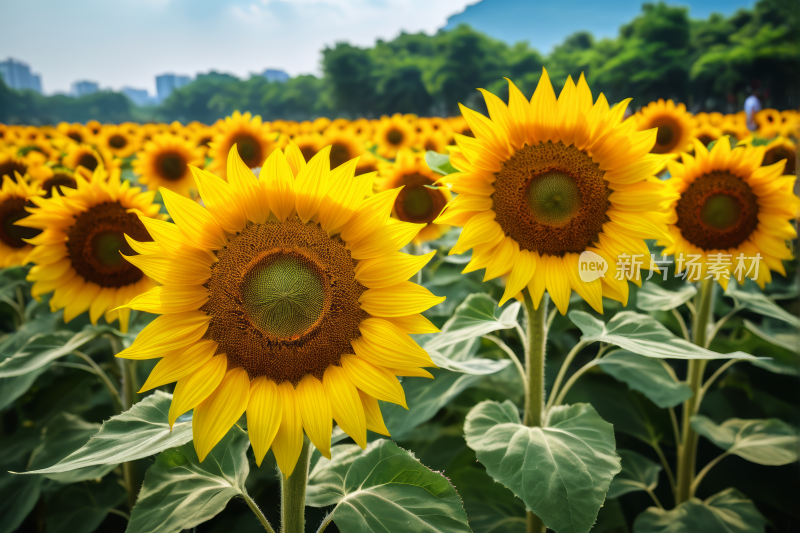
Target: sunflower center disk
{"x": 58, "y": 182}
{"x": 340, "y": 154}
{"x": 283, "y": 295}
{"x": 109, "y": 247}
{"x": 554, "y": 198}
{"x": 667, "y": 137}
{"x": 172, "y": 166}
{"x": 12, "y": 210}
{"x": 88, "y": 161}
{"x": 551, "y": 199}
{"x": 118, "y": 141}
{"x": 394, "y": 137}
{"x": 249, "y": 150}
{"x": 717, "y": 211}
{"x": 417, "y": 203}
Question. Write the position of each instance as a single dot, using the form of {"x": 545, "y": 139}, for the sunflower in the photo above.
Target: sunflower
{"x": 675, "y": 126}
{"x": 546, "y": 180}
{"x": 706, "y": 133}
{"x": 165, "y": 161}
{"x": 361, "y": 128}
{"x": 782, "y": 148}
{"x": 58, "y": 178}
{"x": 344, "y": 147}
{"x": 419, "y": 202}
{"x": 252, "y": 138}
{"x": 287, "y": 302}
{"x": 118, "y": 140}
{"x": 367, "y": 163}
{"x": 309, "y": 144}
{"x": 731, "y": 206}
{"x": 14, "y": 195}
{"x": 77, "y": 255}
{"x": 432, "y": 141}
{"x": 392, "y": 134}
{"x": 735, "y": 126}
{"x": 11, "y": 165}
{"x": 75, "y": 131}
{"x": 201, "y": 137}
{"x": 90, "y": 158}
{"x": 769, "y": 123}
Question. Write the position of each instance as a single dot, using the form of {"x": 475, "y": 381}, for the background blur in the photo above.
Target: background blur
{"x": 166, "y": 60}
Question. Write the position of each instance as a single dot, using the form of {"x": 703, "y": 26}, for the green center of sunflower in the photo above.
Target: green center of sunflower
{"x": 394, "y": 136}
{"x": 554, "y": 198}
{"x": 172, "y": 166}
{"x": 417, "y": 203}
{"x": 721, "y": 211}
{"x": 283, "y": 294}
{"x": 88, "y": 161}
{"x": 107, "y": 246}
{"x": 117, "y": 141}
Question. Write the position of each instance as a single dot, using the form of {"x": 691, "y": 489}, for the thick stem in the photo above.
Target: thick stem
{"x": 534, "y": 397}
{"x": 687, "y": 453}
{"x": 130, "y": 470}
{"x": 293, "y": 493}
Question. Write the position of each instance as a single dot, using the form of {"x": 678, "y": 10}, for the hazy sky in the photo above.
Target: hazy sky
{"x": 128, "y": 42}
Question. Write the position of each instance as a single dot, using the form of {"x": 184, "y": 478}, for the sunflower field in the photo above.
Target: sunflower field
{"x": 561, "y": 316}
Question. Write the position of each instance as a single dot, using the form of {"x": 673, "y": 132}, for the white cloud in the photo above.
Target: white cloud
{"x": 127, "y": 42}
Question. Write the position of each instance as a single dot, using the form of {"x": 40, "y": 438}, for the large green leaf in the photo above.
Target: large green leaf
{"x": 326, "y": 480}
{"x": 638, "y": 473}
{"x": 425, "y": 398}
{"x": 81, "y": 507}
{"x": 139, "y": 432}
{"x": 62, "y": 436}
{"x": 644, "y": 335}
{"x": 787, "y": 362}
{"x": 759, "y": 303}
{"x": 180, "y": 492}
{"x": 646, "y": 375}
{"x": 726, "y": 512}
{"x": 20, "y": 495}
{"x": 386, "y": 489}
{"x": 491, "y": 507}
{"x": 42, "y": 349}
{"x": 766, "y": 442}
{"x": 562, "y": 471}
{"x": 653, "y": 297}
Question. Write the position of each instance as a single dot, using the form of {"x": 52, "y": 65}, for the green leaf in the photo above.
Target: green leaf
{"x": 20, "y": 495}
{"x": 439, "y": 162}
{"x": 425, "y": 398}
{"x": 491, "y": 507}
{"x": 759, "y": 303}
{"x": 726, "y": 512}
{"x": 179, "y": 492}
{"x": 765, "y": 442}
{"x": 644, "y": 335}
{"x": 638, "y": 473}
{"x": 45, "y": 348}
{"x": 82, "y": 507}
{"x": 787, "y": 363}
{"x": 386, "y": 489}
{"x": 562, "y": 471}
{"x": 475, "y": 317}
{"x": 62, "y": 436}
{"x": 326, "y": 480}
{"x": 141, "y": 431}
{"x": 653, "y": 297}
{"x": 647, "y": 376}
{"x": 13, "y": 387}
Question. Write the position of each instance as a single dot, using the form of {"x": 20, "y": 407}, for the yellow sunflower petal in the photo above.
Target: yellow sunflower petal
{"x": 345, "y": 404}
{"x": 194, "y": 388}
{"x": 174, "y": 366}
{"x": 315, "y": 409}
{"x": 264, "y": 413}
{"x": 167, "y": 334}
{"x": 312, "y": 184}
{"x": 520, "y": 276}
{"x": 413, "y": 324}
{"x": 221, "y": 200}
{"x": 371, "y": 216}
{"x": 387, "y": 239}
{"x": 384, "y": 344}
{"x": 195, "y": 222}
{"x": 277, "y": 177}
{"x": 405, "y": 298}
{"x": 390, "y": 269}
{"x": 288, "y": 441}
{"x": 244, "y": 182}
{"x": 375, "y": 381}
{"x": 170, "y": 299}
{"x": 219, "y": 411}
{"x": 372, "y": 414}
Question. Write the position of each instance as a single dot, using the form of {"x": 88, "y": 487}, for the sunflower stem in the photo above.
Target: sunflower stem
{"x": 534, "y": 394}
{"x": 130, "y": 470}
{"x": 687, "y": 451}
{"x": 293, "y": 493}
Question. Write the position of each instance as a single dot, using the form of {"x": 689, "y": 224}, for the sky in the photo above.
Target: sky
{"x": 128, "y": 42}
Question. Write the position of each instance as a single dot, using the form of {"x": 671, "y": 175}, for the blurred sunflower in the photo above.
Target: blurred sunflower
{"x": 77, "y": 132}
{"x": 782, "y": 148}
{"x": 392, "y": 134}
{"x": 675, "y": 126}
{"x": 344, "y": 147}
{"x": 309, "y": 144}
{"x": 735, "y": 126}
{"x": 77, "y": 255}
{"x": 94, "y": 127}
{"x": 729, "y": 204}
{"x": 88, "y": 157}
{"x": 432, "y": 141}
{"x": 252, "y": 138}
{"x": 361, "y": 128}
{"x": 11, "y": 165}
{"x": 367, "y": 162}
{"x": 14, "y": 196}
{"x": 57, "y": 178}
{"x": 120, "y": 141}
{"x": 546, "y": 180}
{"x": 706, "y": 133}
{"x": 769, "y": 123}
{"x": 288, "y": 301}
{"x": 165, "y": 161}
{"x": 419, "y": 202}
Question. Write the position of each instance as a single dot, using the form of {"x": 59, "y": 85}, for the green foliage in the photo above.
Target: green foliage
{"x": 646, "y": 375}
{"x": 562, "y": 471}
{"x": 638, "y": 473}
{"x": 766, "y": 442}
{"x": 385, "y": 489}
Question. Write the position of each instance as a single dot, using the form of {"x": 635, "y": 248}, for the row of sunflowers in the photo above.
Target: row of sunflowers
{"x": 266, "y": 267}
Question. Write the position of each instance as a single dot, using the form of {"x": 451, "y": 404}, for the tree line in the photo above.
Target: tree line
{"x": 710, "y": 64}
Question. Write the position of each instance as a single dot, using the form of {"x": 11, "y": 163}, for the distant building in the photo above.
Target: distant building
{"x": 18, "y": 76}
{"x": 139, "y": 97}
{"x": 83, "y": 87}
{"x": 275, "y": 75}
{"x": 166, "y": 83}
